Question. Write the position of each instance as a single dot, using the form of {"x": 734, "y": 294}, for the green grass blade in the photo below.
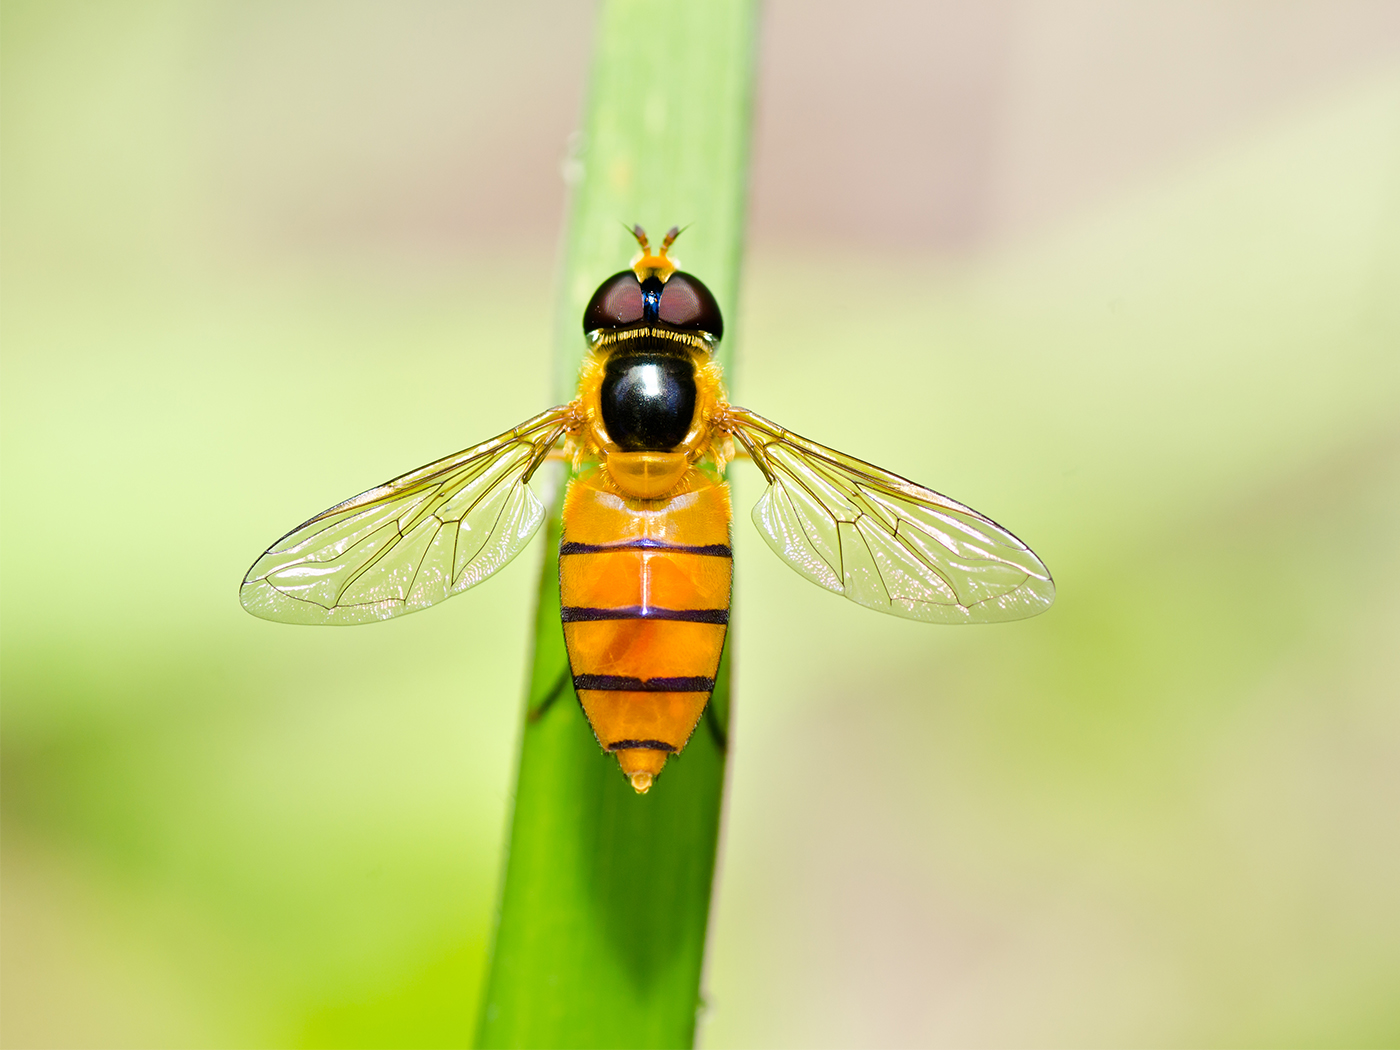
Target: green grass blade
{"x": 601, "y": 933}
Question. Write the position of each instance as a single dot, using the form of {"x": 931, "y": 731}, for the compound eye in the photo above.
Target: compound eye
{"x": 616, "y": 304}
{"x": 687, "y": 304}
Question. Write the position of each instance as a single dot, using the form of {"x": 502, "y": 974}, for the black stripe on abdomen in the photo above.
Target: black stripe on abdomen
{"x": 714, "y": 550}
{"x": 641, "y": 745}
{"x": 621, "y": 683}
{"x": 582, "y": 613}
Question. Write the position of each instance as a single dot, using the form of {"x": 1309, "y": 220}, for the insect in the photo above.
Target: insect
{"x": 645, "y": 562}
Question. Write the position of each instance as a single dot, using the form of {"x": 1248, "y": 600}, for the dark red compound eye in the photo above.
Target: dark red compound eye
{"x": 688, "y": 305}
{"x": 616, "y": 304}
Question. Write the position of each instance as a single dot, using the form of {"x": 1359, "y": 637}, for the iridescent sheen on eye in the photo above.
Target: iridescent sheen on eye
{"x": 616, "y": 304}
{"x": 685, "y": 305}
{"x": 688, "y": 305}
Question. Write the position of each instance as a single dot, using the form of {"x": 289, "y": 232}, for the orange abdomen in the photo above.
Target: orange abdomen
{"x": 645, "y": 588}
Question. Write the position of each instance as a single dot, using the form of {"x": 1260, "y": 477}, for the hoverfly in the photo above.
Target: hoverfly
{"x": 645, "y": 563}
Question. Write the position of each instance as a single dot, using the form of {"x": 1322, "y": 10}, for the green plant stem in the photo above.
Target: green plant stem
{"x": 601, "y": 931}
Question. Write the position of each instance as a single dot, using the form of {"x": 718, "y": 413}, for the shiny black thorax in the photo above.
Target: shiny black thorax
{"x": 648, "y": 392}
{"x": 648, "y": 397}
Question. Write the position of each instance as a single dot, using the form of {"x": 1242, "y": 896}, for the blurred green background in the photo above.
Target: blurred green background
{"x": 1124, "y": 277}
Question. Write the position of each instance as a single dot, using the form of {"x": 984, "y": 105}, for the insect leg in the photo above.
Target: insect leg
{"x": 716, "y": 730}
{"x": 555, "y": 692}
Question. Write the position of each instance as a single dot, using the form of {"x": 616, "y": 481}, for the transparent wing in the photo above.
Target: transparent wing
{"x": 412, "y": 541}
{"x": 883, "y": 541}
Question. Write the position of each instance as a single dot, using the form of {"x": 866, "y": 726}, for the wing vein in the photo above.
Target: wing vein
{"x": 921, "y": 555}
{"x": 372, "y": 556}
